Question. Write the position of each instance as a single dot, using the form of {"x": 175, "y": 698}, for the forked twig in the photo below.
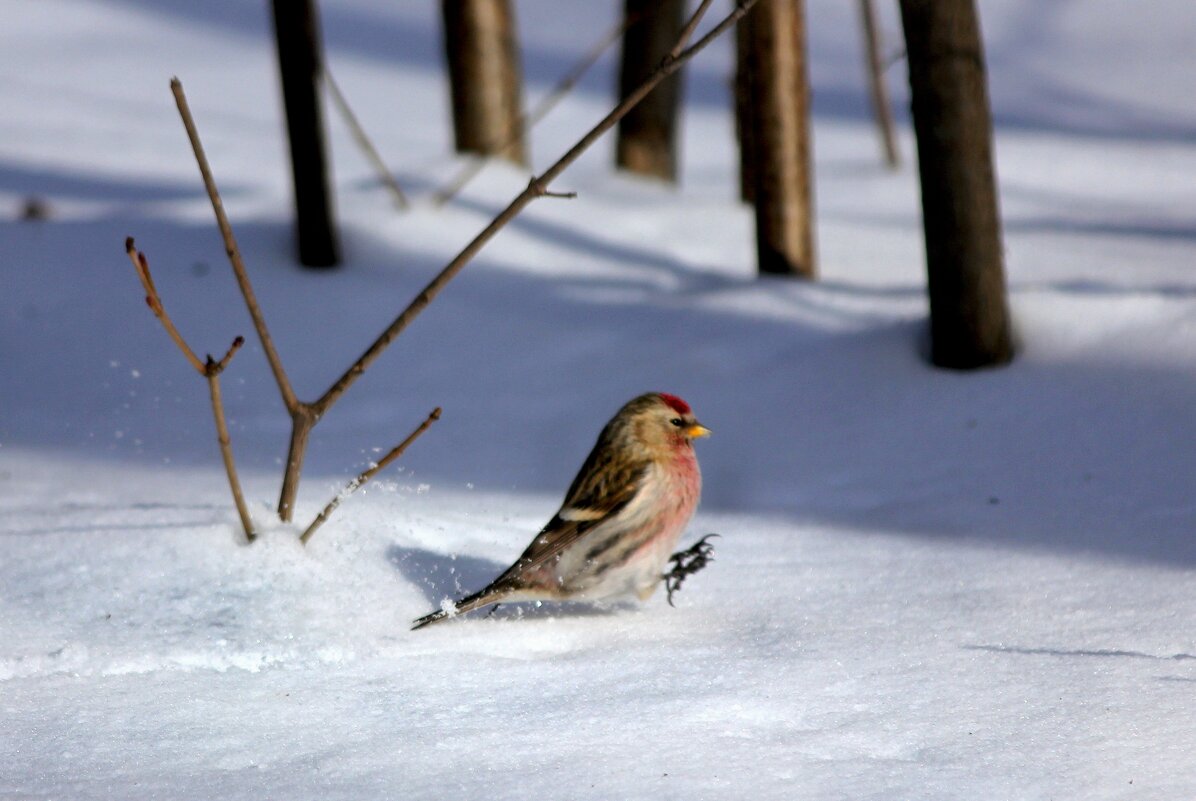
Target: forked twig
{"x": 363, "y": 140}
{"x": 152, "y": 299}
{"x": 210, "y": 369}
{"x": 304, "y": 416}
{"x": 366, "y": 475}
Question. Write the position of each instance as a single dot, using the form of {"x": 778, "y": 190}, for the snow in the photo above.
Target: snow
{"x": 928, "y": 584}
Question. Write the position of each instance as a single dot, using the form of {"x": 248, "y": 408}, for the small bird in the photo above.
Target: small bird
{"x": 621, "y": 517}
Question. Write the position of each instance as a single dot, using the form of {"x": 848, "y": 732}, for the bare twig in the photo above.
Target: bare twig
{"x": 141, "y": 264}
{"x": 234, "y": 253}
{"x": 881, "y": 109}
{"x": 228, "y": 356}
{"x": 688, "y": 31}
{"x": 304, "y": 416}
{"x": 212, "y": 373}
{"x": 529, "y": 119}
{"x": 302, "y": 422}
{"x": 363, "y": 140}
{"x": 211, "y": 370}
{"x": 543, "y": 191}
{"x": 366, "y": 475}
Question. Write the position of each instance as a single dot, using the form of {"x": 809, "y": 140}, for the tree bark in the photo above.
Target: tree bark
{"x": 777, "y": 133}
{"x": 647, "y": 136}
{"x": 296, "y": 29}
{"x": 485, "y": 78}
{"x": 969, "y": 317}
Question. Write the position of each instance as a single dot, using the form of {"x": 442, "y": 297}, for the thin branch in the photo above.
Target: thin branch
{"x": 529, "y": 119}
{"x": 211, "y": 370}
{"x": 141, "y": 264}
{"x": 537, "y": 187}
{"x": 366, "y": 475}
{"x": 688, "y": 31}
{"x": 363, "y": 140}
{"x": 543, "y": 191}
{"x": 228, "y": 357}
{"x": 226, "y": 448}
{"x": 234, "y": 253}
{"x": 878, "y": 90}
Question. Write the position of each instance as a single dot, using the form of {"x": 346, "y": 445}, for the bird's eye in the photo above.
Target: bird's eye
{"x": 677, "y": 421}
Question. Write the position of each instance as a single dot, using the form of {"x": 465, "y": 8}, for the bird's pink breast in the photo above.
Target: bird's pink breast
{"x": 681, "y": 488}
{"x": 647, "y": 532}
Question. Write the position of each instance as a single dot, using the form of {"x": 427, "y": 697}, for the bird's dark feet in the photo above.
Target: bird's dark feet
{"x": 686, "y": 563}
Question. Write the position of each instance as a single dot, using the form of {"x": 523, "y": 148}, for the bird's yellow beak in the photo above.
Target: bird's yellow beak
{"x": 697, "y": 431}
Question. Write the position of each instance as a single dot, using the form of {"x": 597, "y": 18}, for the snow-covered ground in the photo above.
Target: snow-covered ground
{"x": 929, "y": 585}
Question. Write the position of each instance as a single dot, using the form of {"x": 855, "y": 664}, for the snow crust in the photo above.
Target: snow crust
{"x": 929, "y": 585}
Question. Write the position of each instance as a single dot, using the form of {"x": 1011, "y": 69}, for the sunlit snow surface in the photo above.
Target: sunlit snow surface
{"x": 928, "y": 585}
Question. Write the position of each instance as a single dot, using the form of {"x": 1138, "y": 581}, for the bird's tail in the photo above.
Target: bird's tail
{"x": 491, "y": 595}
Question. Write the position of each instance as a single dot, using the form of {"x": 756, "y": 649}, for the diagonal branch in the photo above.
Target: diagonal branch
{"x": 365, "y": 476}
{"x": 210, "y": 370}
{"x": 363, "y": 140}
{"x": 878, "y": 90}
{"x": 537, "y": 187}
{"x": 688, "y": 31}
{"x": 141, "y": 264}
{"x": 234, "y": 253}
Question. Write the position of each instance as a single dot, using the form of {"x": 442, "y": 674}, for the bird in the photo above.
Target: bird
{"x": 620, "y": 519}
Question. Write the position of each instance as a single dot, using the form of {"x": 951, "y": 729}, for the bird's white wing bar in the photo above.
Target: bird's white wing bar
{"x": 580, "y": 514}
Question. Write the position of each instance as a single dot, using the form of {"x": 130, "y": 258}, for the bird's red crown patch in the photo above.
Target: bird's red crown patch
{"x": 675, "y": 403}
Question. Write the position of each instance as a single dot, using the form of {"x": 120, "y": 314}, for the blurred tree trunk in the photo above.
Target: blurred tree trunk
{"x": 647, "y": 138}
{"x": 775, "y": 136}
{"x": 300, "y": 63}
{"x": 874, "y": 65}
{"x": 969, "y": 317}
{"x": 482, "y": 48}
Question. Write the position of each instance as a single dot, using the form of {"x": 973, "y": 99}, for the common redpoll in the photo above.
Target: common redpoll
{"x": 620, "y": 519}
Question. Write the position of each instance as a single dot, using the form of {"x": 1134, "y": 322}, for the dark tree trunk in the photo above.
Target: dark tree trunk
{"x": 482, "y": 49}
{"x": 776, "y": 131}
{"x": 300, "y": 63}
{"x": 647, "y": 139}
{"x": 969, "y": 317}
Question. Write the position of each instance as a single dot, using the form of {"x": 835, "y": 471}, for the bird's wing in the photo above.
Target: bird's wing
{"x": 600, "y": 491}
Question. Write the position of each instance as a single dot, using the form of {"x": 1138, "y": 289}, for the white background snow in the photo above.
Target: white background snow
{"x": 929, "y": 585}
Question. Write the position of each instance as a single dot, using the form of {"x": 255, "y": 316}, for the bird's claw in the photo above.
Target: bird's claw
{"x": 686, "y": 563}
